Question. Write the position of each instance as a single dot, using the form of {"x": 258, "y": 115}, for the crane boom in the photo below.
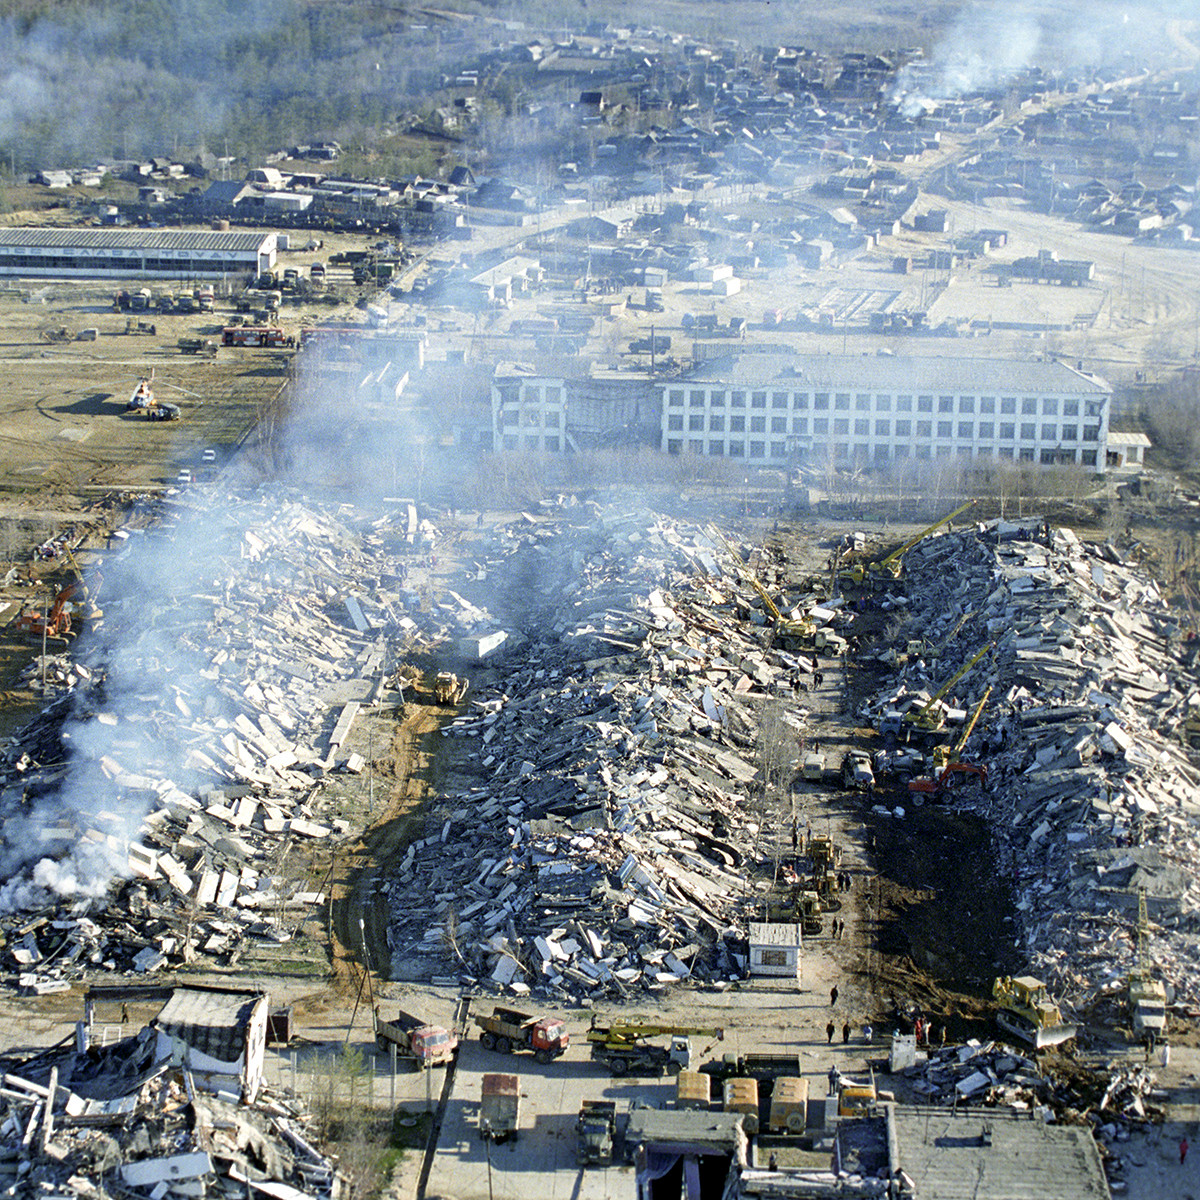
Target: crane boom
{"x": 955, "y": 752}
{"x": 922, "y": 714}
{"x": 900, "y": 551}
{"x": 629, "y": 1033}
{"x": 785, "y": 628}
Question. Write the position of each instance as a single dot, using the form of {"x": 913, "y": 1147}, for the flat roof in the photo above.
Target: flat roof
{"x": 995, "y": 1154}
{"x": 893, "y": 373}
{"x": 774, "y": 933}
{"x": 132, "y": 239}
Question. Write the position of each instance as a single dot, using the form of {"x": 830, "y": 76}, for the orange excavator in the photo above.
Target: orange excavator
{"x": 59, "y": 621}
{"x": 947, "y": 763}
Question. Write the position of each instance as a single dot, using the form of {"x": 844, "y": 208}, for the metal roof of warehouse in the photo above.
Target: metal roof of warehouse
{"x": 126, "y": 239}
{"x": 886, "y": 372}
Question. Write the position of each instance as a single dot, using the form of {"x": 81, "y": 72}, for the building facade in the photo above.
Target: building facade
{"x": 877, "y": 412}
{"x": 554, "y": 413}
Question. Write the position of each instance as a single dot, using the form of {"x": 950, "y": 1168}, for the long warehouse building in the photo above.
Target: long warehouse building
{"x": 133, "y": 253}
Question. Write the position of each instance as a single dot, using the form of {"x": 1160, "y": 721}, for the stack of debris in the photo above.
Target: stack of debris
{"x": 241, "y": 638}
{"x": 128, "y": 1125}
{"x": 598, "y": 845}
{"x": 988, "y": 1073}
{"x": 1092, "y": 794}
{"x": 597, "y": 842}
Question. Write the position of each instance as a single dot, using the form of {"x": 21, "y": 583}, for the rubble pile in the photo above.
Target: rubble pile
{"x": 240, "y": 638}
{"x": 598, "y": 845}
{"x": 993, "y": 1074}
{"x": 988, "y": 1072}
{"x": 599, "y": 837}
{"x": 130, "y": 1126}
{"x": 1092, "y": 793}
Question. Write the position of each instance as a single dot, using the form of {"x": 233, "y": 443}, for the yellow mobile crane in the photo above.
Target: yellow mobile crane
{"x": 789, "y": 633}
{"x": 888, "y": 569}
{"x": 1147, "y": 995}
{"x": 929, "y": 717}
{"x": 624, "y": 1046}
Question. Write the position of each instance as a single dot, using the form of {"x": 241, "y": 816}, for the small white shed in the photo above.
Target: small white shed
{"x": 775, "y": 950}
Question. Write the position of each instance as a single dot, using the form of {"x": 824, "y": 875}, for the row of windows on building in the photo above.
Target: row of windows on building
{"x": 881, "y": 427}
{"x": 845, "y": 452}
{"x": 530, "y": 417}
{"x": 549, "y": 443}
{"x": 1049, "y": 406}
{"x": 133, "y": 264}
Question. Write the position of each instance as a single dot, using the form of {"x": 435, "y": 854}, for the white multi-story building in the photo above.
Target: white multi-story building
{"x": 879, "y": 410}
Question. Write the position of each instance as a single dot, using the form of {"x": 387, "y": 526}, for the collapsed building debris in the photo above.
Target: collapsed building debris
{"x": 187, "y": 751}
{"x": 1091, "y": 792}
{"x": 133, "y": 1117}
{"x": 600, "y": 840}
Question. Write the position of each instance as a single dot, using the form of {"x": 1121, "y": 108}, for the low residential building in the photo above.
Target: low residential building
{"x": 219, "y": 1035}
{"x": 860, "y": 410}
{"x": 1127, "y": 449}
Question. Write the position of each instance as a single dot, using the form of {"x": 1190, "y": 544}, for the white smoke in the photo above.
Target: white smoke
{"x": 989, "y": 45}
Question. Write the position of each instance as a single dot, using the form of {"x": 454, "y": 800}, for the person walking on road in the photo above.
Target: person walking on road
{"x": 833, "y": 995}
{"x": 845, "y": 1033}
{"x": 1183, "y": 1149}
{"x": 829, "y": 1031}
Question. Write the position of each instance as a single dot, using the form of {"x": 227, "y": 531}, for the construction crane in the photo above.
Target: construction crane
{"x": 946, "y": 760}
{"x": 1147, "y": 995}
{"x": 888, "y": 569}
{"x": 624, "y": 1046}
{"x": 943, "y": 754}
{"x": 788, "y": 632}
{"x": 929, "y": 717}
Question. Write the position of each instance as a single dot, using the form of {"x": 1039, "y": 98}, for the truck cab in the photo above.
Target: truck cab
{"x": 549, "y": 1034}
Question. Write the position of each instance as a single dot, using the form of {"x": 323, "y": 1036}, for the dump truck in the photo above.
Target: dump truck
{"x": 426, "y": 1045}
{"x": 595, "y": 1127}
{"x": 626, "y": 1049}
{"x": 1027, "y": 1012}
{"x": 500, "y": 1107}
{"x": 507, "y": 1029}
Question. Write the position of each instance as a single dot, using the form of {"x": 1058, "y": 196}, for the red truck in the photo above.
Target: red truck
{"x": 255, "y": 335}
{"x": 507, "y": 1030}
{"x": 427, "y": 1045}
